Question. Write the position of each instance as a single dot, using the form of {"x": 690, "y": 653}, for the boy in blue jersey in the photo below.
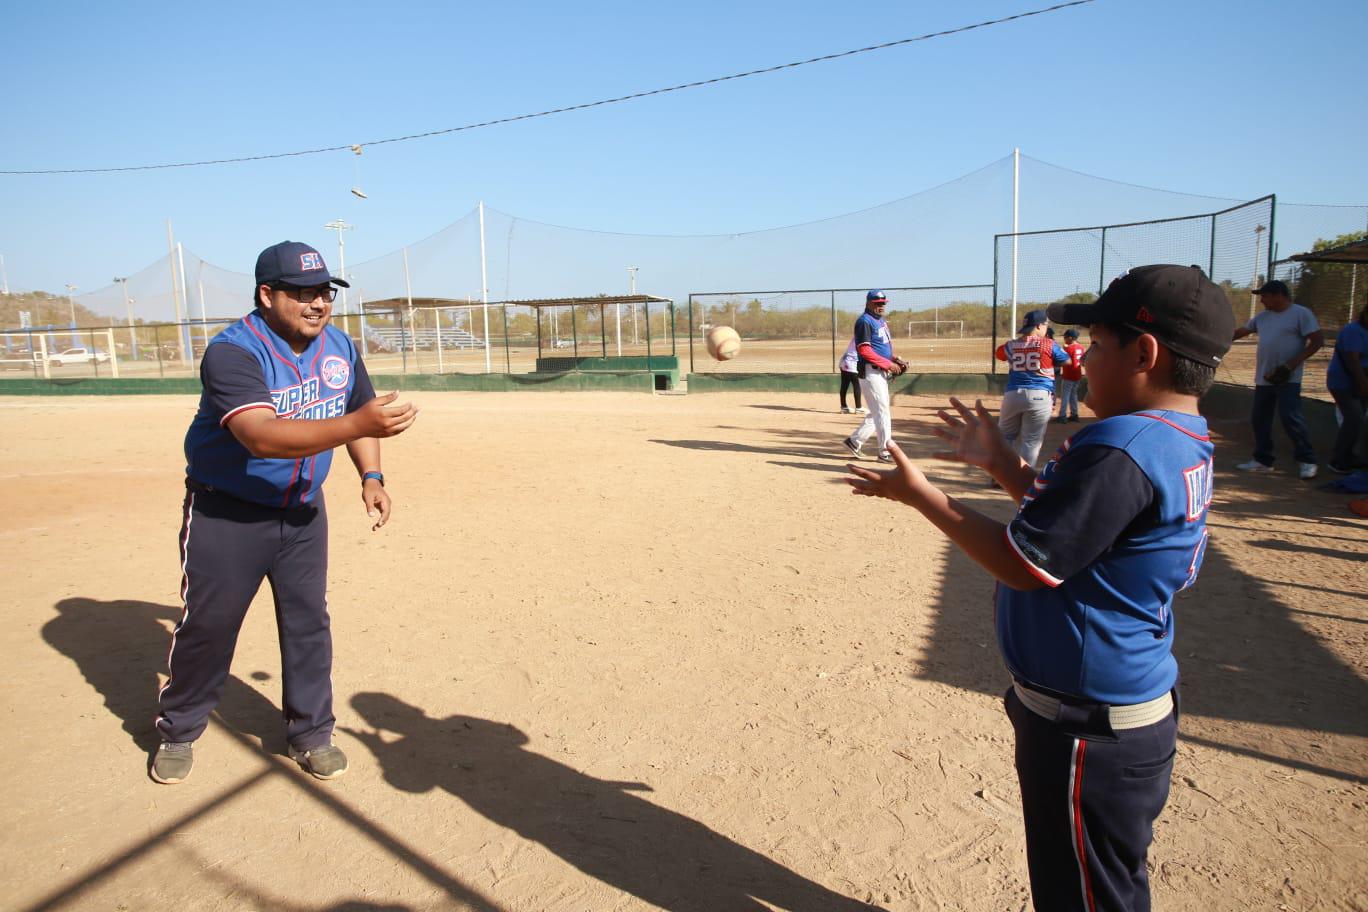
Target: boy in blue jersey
{"x": 1087, "y": 571}
{"x": 282, "y": 389}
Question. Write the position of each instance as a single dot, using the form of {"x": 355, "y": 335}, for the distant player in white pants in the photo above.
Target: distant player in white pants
{"x": 876, "y": 365}
{"x": 1029, "y": 400}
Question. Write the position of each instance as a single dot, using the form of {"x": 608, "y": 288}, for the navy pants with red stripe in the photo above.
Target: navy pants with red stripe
{"x": 227, "y": 548}
{"x": 1090, "y": 797}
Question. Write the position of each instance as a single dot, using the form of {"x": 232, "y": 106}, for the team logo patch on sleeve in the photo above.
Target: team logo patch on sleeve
{"x": 310, "y": 261}
{"x": 335, "y": 372}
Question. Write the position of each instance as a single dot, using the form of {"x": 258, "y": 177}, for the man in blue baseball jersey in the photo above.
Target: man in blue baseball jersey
{"x": 876, "y": 365}
{"x": 1087, "y": 570}
{"x": 282, "y": 389}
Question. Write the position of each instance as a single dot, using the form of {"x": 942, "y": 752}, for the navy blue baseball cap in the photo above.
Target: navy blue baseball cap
{"x": 875, "y": 297}
{"x": 293, "y": 263}
{"x": 1033, "y": 318}
{"x": 1178, "y": 305}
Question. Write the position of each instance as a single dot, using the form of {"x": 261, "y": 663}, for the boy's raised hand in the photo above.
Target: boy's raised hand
{"x": 905, "y": 483}
{"x": 974, "y": 437}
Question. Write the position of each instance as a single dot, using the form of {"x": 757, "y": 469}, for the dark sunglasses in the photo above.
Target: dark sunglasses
{"x": 307, "y": 295}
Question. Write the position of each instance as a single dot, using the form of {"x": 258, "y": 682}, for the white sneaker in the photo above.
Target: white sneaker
{"x": 1306, "y": 470}
{"x": 847, "y": 411}
{"x": 1254, "y": 466}
{"x": 862, "y": 411}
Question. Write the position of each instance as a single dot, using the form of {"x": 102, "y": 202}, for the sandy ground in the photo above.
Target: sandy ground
{"x": 617, "y": 652}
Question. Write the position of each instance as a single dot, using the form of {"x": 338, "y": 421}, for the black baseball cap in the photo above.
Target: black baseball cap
{"x": 1033, "y": 319}
{"x": 1178, "y": 305}
{"x": 1274, "y": 286}
{"x": 293, "y": 263}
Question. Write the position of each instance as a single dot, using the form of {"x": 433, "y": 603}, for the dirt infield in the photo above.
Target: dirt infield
{"x": 618, "y": 652}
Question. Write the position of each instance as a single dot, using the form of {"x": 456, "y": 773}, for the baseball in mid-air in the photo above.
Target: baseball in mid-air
{"x": 723, "y": 343}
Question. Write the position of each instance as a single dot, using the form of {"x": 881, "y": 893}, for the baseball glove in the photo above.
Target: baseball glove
{"x": 902, "y": 366}
{"x": 1279, "y": 375}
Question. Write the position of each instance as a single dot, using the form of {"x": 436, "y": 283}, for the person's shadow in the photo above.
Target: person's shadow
{"x": 600, "y": 827}
{"x": 120, "y": 646}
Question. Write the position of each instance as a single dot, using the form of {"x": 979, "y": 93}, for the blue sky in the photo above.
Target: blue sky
{"x": 1226, "y": 99}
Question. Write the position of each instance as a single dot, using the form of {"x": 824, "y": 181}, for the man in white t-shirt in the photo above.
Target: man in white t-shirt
{"x": 1288, "y": 335}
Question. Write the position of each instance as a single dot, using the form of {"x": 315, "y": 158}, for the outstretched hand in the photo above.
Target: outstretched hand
{"x": 904, "y": 483}
{"x": 381, "y": 418}
{"x": 974, "y": 437}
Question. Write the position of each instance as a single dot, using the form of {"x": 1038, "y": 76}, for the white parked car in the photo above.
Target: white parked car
{"x": 78, "y": 356}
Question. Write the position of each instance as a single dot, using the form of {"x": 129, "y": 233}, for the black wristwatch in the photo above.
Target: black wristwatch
{"x": 376, "y": 475}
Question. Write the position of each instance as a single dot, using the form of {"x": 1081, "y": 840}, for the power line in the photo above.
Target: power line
{"x": 579, "y": 107}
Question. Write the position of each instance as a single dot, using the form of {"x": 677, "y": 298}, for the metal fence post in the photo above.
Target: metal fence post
{"x": 1102, "y": 266}
{"x": 508, "y": 355}
{"x": 1211, "y": 256}
{"x": 156, "y": 341}
{"x": 691, "y": 333}
{"x": 574, "y": 336}
{"x": 403, "y": 343}
{"x": 992, "y": 355}
{"x": 1272, "y": 216}
{"x": 833, "y": 331}
{"x": 647, "y": 306}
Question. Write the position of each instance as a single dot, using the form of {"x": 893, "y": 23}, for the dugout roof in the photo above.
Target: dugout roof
{"x": 1352, "y": 252}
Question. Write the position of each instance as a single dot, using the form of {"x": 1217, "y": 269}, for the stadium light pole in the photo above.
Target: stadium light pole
{"x": 631, "y": 274}
{"x": 340, "y": 226}
{"x": 128, "y": 309}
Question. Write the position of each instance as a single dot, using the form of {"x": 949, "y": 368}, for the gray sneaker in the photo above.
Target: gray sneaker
{"x": 172, "y": 762}
{"x": 326, "y": 762}
{"x": 852, "y": 447}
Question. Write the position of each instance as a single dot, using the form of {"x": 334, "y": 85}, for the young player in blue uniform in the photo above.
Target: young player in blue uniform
{"x": 282, "y": 388}
{"x": 1087, "y": 572}
{"x": 1026, "y": 405}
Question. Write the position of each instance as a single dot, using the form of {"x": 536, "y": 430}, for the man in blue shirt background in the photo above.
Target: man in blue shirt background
{"x": 876, "y": 365}
{"x": 1347, "y": 380}
{"x": 282, "y": 389}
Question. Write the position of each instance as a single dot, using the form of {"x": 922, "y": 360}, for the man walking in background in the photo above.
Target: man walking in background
{"x": 876, "y": 366}
{"x": 1288, "y": 335}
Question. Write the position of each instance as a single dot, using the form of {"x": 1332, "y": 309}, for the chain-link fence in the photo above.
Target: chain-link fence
{"x": 456, "y": 338}
{"x": 1036, "y": 268}
{"x": 510, "y": 337}
{"x": 938, "y": 329}
{"x": 141, "y": 350}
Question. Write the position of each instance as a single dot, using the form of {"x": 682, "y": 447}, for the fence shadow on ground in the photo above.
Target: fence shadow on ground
{"x": 602, "y": 828}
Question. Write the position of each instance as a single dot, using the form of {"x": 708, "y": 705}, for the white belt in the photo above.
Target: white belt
{"x": 1137, "y": 715}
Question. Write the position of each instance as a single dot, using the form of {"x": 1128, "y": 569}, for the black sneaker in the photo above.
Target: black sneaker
{"x": 1073, "y": 418}
{"x": 1059, "y": 420}
{"x": 172, "y": 762}
{"x": 851, "y": 446}
{"x": 1338, "y": 469}
{"x": 326, "y": 762}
